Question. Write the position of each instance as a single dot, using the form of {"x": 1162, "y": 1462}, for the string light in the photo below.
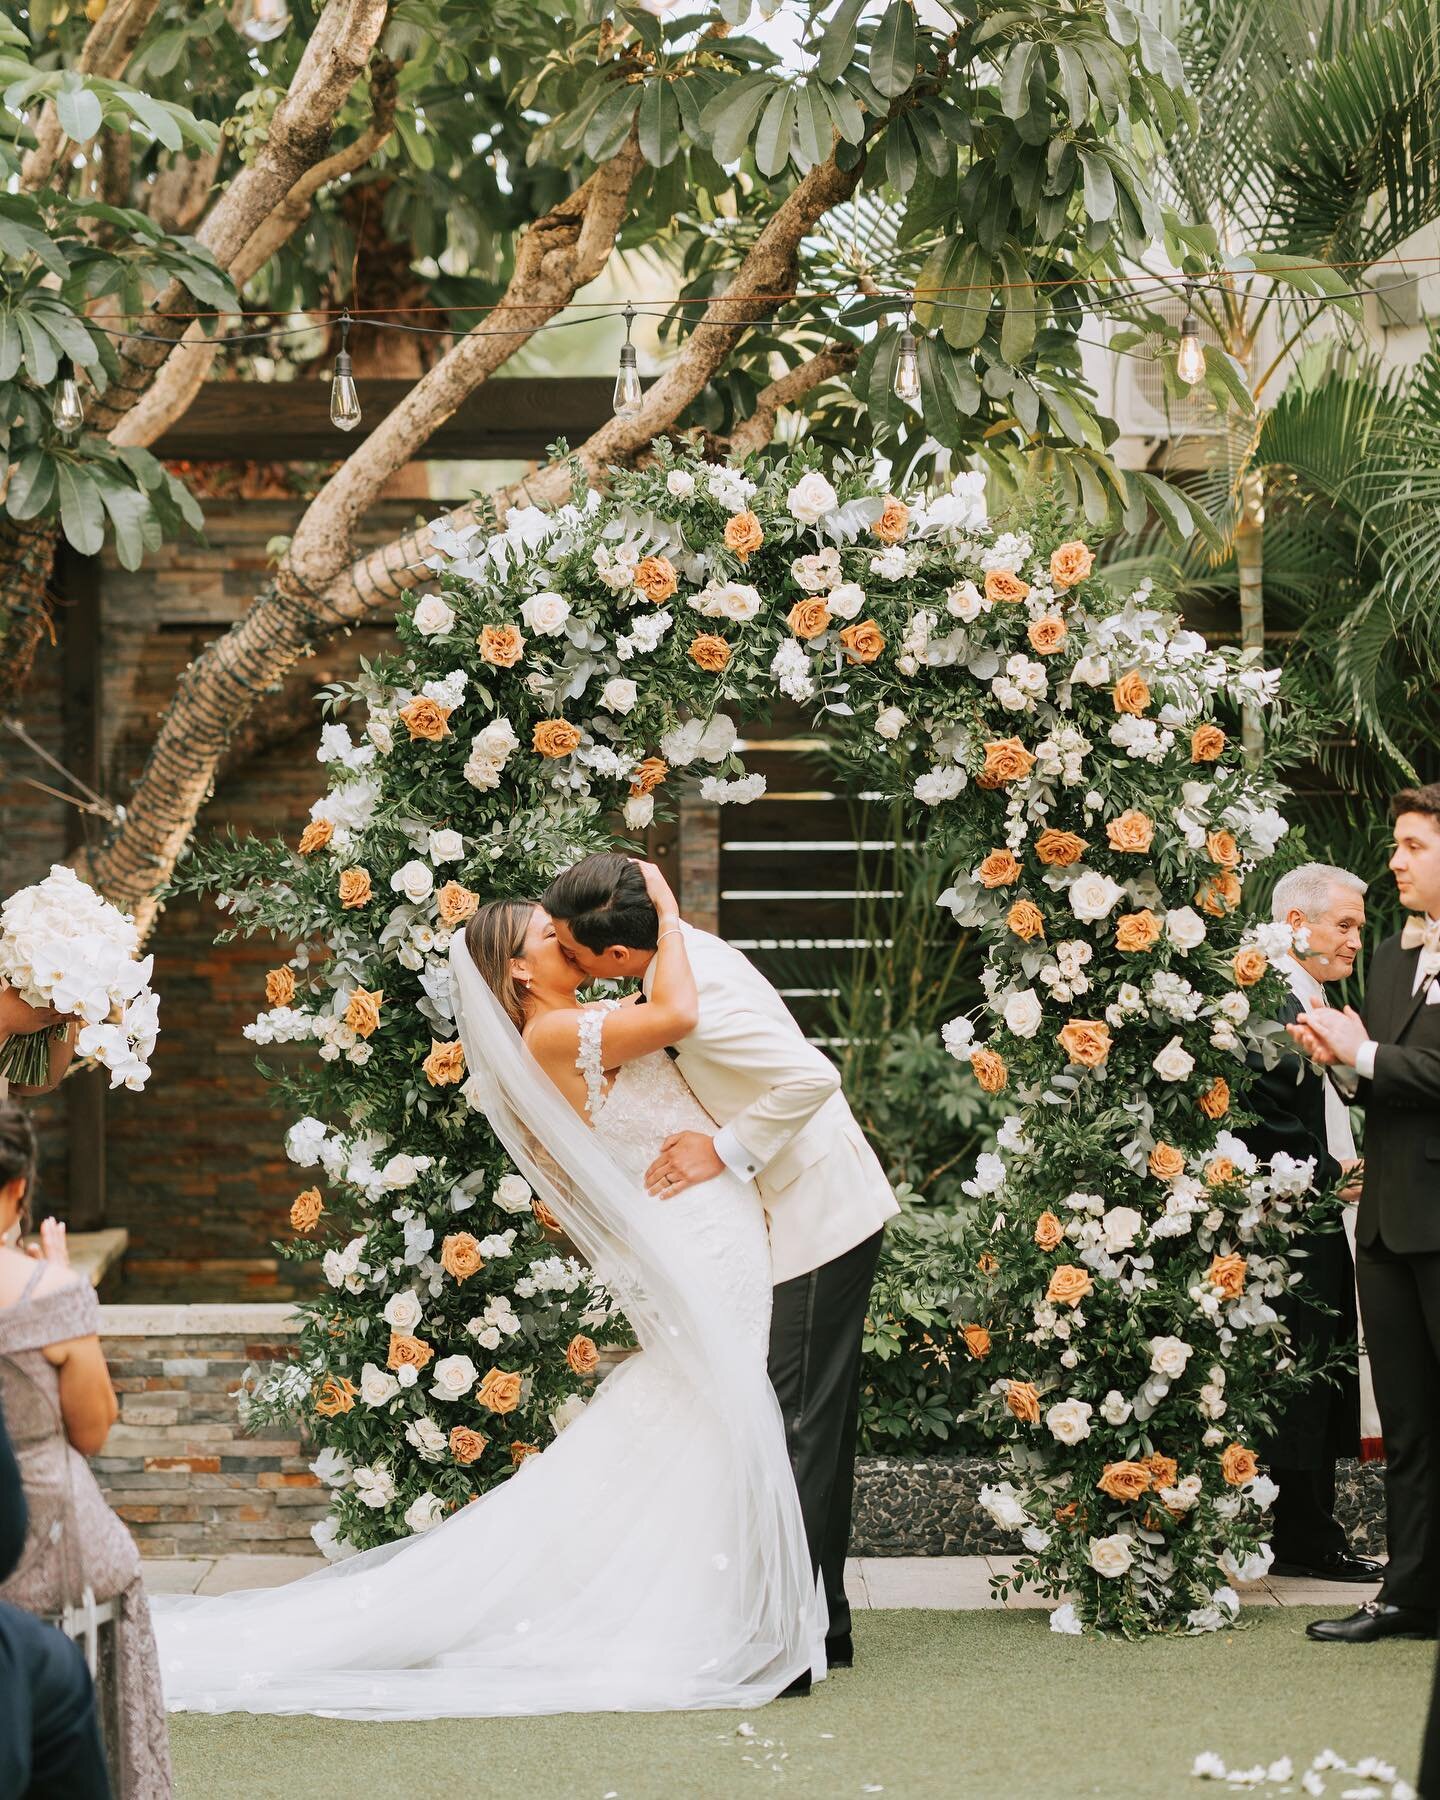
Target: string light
{"x": 68, "y": 410}
{"x": 907, "y": 365}
{"x": 1190, "y": 363}
{"x": 627, "y": 378}
{"x": 264, "y": 20}
{"x": 344, "y": 400}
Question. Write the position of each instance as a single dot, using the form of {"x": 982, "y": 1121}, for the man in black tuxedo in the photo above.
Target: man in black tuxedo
{"x": 1393, "y": 1055}
{"x": 1302, "y": 1113}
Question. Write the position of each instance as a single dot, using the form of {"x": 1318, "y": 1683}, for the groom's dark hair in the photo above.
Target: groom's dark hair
{"x": 604, "y": 902}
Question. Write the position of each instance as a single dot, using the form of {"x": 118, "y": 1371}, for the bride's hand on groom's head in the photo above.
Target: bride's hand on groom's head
{"x": 659, "y": 889}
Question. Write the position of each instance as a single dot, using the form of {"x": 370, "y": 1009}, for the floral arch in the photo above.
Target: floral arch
{"x": 1077, "y": 750}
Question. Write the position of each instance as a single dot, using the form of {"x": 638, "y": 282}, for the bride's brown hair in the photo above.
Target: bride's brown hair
{"x": 494, "y": 937}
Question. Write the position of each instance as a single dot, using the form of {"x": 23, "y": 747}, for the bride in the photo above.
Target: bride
{"x": 654, "y": 1557}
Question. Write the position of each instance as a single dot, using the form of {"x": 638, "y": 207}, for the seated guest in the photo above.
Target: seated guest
{"x": 59, "y": 1405}
{"x": 49, "y": 1739}
{"x": 1302, "y": 1113}
{"x": 1392, "y": 1056}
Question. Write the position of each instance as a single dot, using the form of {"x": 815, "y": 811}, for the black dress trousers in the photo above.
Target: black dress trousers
{"x": 816, "y": 1329}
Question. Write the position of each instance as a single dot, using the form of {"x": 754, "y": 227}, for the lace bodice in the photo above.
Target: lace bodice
{"x": 647, "y": 1101}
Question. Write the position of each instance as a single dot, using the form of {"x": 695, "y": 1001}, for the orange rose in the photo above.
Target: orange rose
{"x": 279, "y": 987}
{"x": 1006, "y": 759}
{"x": 582, "y": 1355}
{"x": 555, "y": 737}
{"x": 1026, "y": 920}
{"x": 990, "y": 1070}
{"x": 986, "y": 1263}
{"x": 316, "y": 835}
{"x": 1220, "y": 894}
{"x": 1207, "y": 744}
{"x": 460, "y": 1256}
{"x": 543, "y": 1216}
{"x": 1249, "y": 965}
{"x": 1131, "y": 694}
{"x": 977, "y": 1341}
{"x": 1085, "y": 1041}
{"x": 1132, "y": 833}
{"x": 466, "y": 1446}
{"x": 1001, "y": 584}
{"x": 893, "y": 523}
{"x": 407, "y": 1352}
{"x": 1238, "y": 1465}
{"x": 1166, "y": 1162}
{"x": 445, "y": 1065}
{"x": 336, "y": 1395}
{"x": 1163, "y": 1471}
{"x": 425, "y": 719}
{"x": 1227, "y": 1274}
{"x": 648, "y": 775}
{"x": 362, "y": 1014}
{"x": 710, "y": 653}
{"x": 809, "y": 617}
{"x": 518, "y": 1453}
{"x": 1218, "y": 1171}
{"x": 1137, "y": 931}
{"x": 863, "y": 641}
{"x": 1124, "y": 1481}
{"x": 1215, "y": 1101}
{"x": 743, "y": 535}
{"x": 501, "y": 645}
{"x": 1221, "y": 848}
{"x": 1023, "y": 1400}
{"x": 455, "y": 904}
{"x": 1059, "y": 849}
{"x": 1071, "y": 563}
{"x": 1049, "y": 1232}
{"x": 354, "y": 887}
{"x": 999, "y": 869}
{"x": 1068, "y": 1285}
{"x": 1047, "y": 635}
{"x": 306, "y": 1210}
{"x": 655, "y": 578}
{"x": 500, "y": 1391}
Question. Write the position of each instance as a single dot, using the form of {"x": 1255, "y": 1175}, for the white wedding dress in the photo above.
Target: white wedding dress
{"x": 654, "y": 1556}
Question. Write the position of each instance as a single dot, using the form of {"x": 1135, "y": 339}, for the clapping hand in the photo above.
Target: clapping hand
{"x": 1328, "y": 1037}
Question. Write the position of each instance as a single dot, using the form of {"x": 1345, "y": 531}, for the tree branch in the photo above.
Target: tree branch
{"x": 755, "y": 432}
{"x": 107, "y": 49}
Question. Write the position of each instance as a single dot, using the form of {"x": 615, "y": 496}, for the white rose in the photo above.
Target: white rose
{"x": 1066, "y": 1621}
{"x": 375, "y": 1487}
{"x": 1111, "y": 1556}
{"x": 376, "y": 1386}
{"x": 619, "y": 694}
{"x": 1093, "y": 896}
{"x": 1091, "y": 671}
{"x": 400, "y": 1171}
{"x": 414, "y": 881}
{"x": 433, "y": 618}
{"x": 846, "y": 601}
{"x": 1121, "y": 1225}
{"x": 1069, "y": 1420}
{"x": 680, "y": 483}
{"x": 567, "y": 1412}
{"x": 1023, "y": 1013}
{"x": 402, "y": 1312}
{"x": 512, "y": 1194}
{"x": 546, "y": 613}
{"x": 1004, "y": 1507}
{"x": 424, "y": 1511}
{"x": 965, "y": 601}
{"x": 1174, "y": 1062}
{"x": 1168, "y": 1356}
{"x": 453, "y": 1377}
{"x": 639, "y": 811}
{"x": 735, "y": 600}
{"x": 1185, "y": 928}
{"x": 446, "y": 846}
{"x": 495, "y": 742}
{"x": 1114, "y": 1408}
{"x": 889, "y": 722}
{"x": 959, "y": 1038}
{"x": 811, "y": 498}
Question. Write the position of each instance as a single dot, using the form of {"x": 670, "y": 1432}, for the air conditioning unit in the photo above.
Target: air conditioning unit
{"x": 1140, "y": 404}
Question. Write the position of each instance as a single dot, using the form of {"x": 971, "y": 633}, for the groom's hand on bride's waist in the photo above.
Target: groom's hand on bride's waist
{"x": 685, "y": 1159}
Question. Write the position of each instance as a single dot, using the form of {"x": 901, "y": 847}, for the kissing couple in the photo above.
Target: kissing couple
{"x": 682, "y": 1544}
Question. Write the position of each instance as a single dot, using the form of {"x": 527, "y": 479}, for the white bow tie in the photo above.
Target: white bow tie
{"x": 1423, "y": 934}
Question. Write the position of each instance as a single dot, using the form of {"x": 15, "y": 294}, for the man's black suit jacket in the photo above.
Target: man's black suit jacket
{"x": 12, "y": 1507}
{"x": 1401, "y": 1200}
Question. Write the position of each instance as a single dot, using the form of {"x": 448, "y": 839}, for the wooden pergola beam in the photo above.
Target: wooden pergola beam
{"x": 289, "y": 421}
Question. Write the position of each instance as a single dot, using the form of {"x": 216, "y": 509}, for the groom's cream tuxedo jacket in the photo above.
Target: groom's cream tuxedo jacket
{"x": 786, "y": 1124}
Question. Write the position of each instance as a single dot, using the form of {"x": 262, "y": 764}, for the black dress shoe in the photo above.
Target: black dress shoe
{"x": 1336, "y": 1565}
{"x": 1375, "y": 1620}
{"x": 797, "y": 1689}
{"x": 840, "y": 1651}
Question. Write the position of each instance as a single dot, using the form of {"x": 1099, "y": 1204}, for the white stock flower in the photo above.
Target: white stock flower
{"x": 1094, "y": 896}
{"x": 512, "y": 1194}
{"x": 1069, "y": 1420}
{"x": 1168, "y": 1356}
{"x": 377, "y": 1386}
{"x": 1111, "y": 1556}
{"x": 1174, "y": 1062}
{"x": 740, "y": 792}
{"x": 811, "y": 498}
{"x": 937, "y": 785}
{"x": 303, "y": 1142}
{"x": 728, "y": 486}
{"x": 889, "y": 723}
{"x": 1024, "y": 1013}
{"x": 433, "y": 617}
{"x": 958, "y": 1036}
{"x": 545, "y": 613}
{"x": 414, "y": 881}
{"x": 424, "y": 1511}
{"x": 332, "y": 1466}
{"x": 453, "y": 1377}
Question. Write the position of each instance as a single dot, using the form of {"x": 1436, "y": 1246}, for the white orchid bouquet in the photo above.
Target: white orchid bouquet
{"x": 62, "y": 946}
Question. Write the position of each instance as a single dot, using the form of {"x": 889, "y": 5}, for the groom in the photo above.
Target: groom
{"x": 786, "y": 1126}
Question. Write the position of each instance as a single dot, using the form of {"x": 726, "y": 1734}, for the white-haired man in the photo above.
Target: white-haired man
{"x": 1302, "y": 1113}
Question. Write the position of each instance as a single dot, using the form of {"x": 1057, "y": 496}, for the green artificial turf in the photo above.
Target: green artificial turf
{"x": 939, "y": 1704}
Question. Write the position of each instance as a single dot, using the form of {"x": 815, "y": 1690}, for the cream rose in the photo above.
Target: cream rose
{"x": 736, "y": 600}
{"x": 402, "y": 1311}
{"x": 415, "y": 881}
{"x": 811, "y": 498}
{"x": 1111, "y": 1556}
{"x": 512, "y": 1194}
{"x": 619, "y": 694}
{"x": 433, "y": 618}
{"x": 446, "y": 846}
{"x": 889, "y": 723}
{"x": 1174, "y": 1062}
{"x": 1023, "y": 1013}
{"x": 847, "y": 600}
{"x": 376, "y": 1386}
{"x": 1069, "y": 1421}
{"x": 1168, "y": 1357}
{"x": 1094, "y": 896}
{"x": 1121, "y": 1226}
{"x": 453, "y": 1377}
{"x": 1185, "y": 928}
{"x": 546, "y": 613}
